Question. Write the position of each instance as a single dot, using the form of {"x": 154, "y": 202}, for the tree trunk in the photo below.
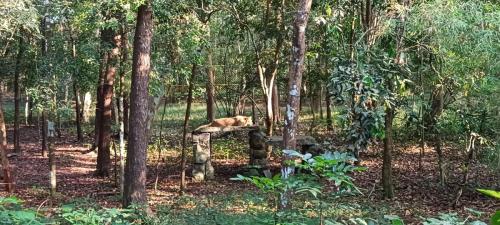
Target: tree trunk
{"x": 329, "y": 121}
{"x": 52, "y": 166}
{"x": 135, "y": 168}
{"x": 294, "y": 86}
{"x": 104, "y": 143}
{"x": 210, "y": 88}
{"x": 76, "y": 93}
{"x": 79, "y": 133}
{"x": 17, "y": 96}
{"x": 7, "y": 179}
{"x": 44, "y": 49}
{"x": 185, "y": 127}
{"x": 30, "y": 111}
{"x": 388, "y": 146}
{"x": 45, "y": 119}
{"x": 121, "y": 97}
{"x": 276, "y": 104}
{"x": 204, "y": 17}
{"x": 126, "y": 112}
{"x": 26, "y": 110}
{"x": 100, "y": 87}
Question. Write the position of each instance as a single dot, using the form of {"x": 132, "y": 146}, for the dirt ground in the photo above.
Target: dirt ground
{"x": 417, "y": 191}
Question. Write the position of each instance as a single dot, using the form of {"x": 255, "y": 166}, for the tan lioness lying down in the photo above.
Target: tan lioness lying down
{"x": 229, "y": 122}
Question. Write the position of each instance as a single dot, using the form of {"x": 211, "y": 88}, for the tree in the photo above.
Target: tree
{"x": 204, "y": 15}
{"x": 17, "y": 94}
{"x": 3, "y": 149}
{"x": 294, "y": 84}
{"x": 135, "y": 166}
{"x": 390, "y": 107}
{"x": 76, "y": 93}
{"x": 113, "y": 38}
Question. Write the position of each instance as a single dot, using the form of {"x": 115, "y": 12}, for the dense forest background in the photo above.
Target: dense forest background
{"x": 362, "y": 112}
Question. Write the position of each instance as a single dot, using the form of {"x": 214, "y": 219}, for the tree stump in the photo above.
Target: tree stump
{"x": 202, "y": 165}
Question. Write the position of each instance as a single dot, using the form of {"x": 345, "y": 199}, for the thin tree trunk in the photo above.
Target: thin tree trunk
{"x": 44, "y": 132}
{"x": 441, "y": 166}
{"x": 76, "y": 93}
{"x": 79, "y": 133}
{"x": 160, "y": 136}
{"x": 26, "y": 110}
{"x": 294, "y": 86}
{"x": 320, "y": 101}
{"x": 17, "y": 95}
{"x": 44, "y": 48}
{"x": 185, "y": 127}
{"x": 52, "y": 166}
{"x": 30, "y": 111}
{"x": 121, "y": 114}
{"x": 7, "y": 179}
{"x": 329, "y": 121}
{"x": 276, "y": 104}
{"x": 388, "y": 147}
{"x": 135, "y": 168}
{"x": 210, "y": 88}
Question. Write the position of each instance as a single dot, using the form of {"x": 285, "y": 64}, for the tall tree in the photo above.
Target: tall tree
{"x": 399, "y": 59}
{"x": 121, "y": 101}
{"x": 135, "y": 167}
{"x": 185, "y": 127}
{"x": 17, "y": 94}
{"x": 44, "y": 48}
{"x": 294, "y": 84}
{"x": 76, "y": 93}
{"x": 204, "y": 14}
{"x": 112, "y": 38}
{"x": 7, "y": 179}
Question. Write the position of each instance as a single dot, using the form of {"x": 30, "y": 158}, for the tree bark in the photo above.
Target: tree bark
{"x": 388, "y": 147}
{"x": 52, "y": 167}
{"x": 76, "y": 93}
{"x": 276, "y": 104}
{"x": 294, "y": 86}
{"x": 7, "y": 179}
{"x": 204, "y": 17}
{"x": 329, "y": 121}
{"x": 100, "y": 86}
{"x": 210, "y": 88}
{"x": 185, "y": 127}
{"x": 78, "y": 115}
{"x": 135, "y": 167}
{"x": 17, "y": 95}
{"x": 44, "y": 48}
{"x": 121, "y": 108}
{"x": 104, "y": 143}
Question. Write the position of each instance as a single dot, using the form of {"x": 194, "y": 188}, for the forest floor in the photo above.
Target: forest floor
{"x": 417, "y": 190}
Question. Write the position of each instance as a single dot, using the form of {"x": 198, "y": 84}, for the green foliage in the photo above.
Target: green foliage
{"x": 451, "y": 219}
{"x": 90, "y": 216}
{"x": 12, "y": 212}
{"x": 495, "y": 220}
{"x": 330, "y": 166}
{"x": 491, "y": 193}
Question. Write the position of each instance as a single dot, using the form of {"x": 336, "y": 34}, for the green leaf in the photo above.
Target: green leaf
{"x": 491, "y": 193}
{"x": 495, "y": 220}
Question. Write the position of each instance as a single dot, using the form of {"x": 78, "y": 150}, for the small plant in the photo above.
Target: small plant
{"x": 12, "y": 212}
{"x": 74, "y": 215}
{"x": 333, "y": 167}
{"x": 495, "y": 220}
{"x": 449, "y": 219}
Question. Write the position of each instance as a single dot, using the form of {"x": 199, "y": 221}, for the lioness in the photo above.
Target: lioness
{"x": 229, "y": 121}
